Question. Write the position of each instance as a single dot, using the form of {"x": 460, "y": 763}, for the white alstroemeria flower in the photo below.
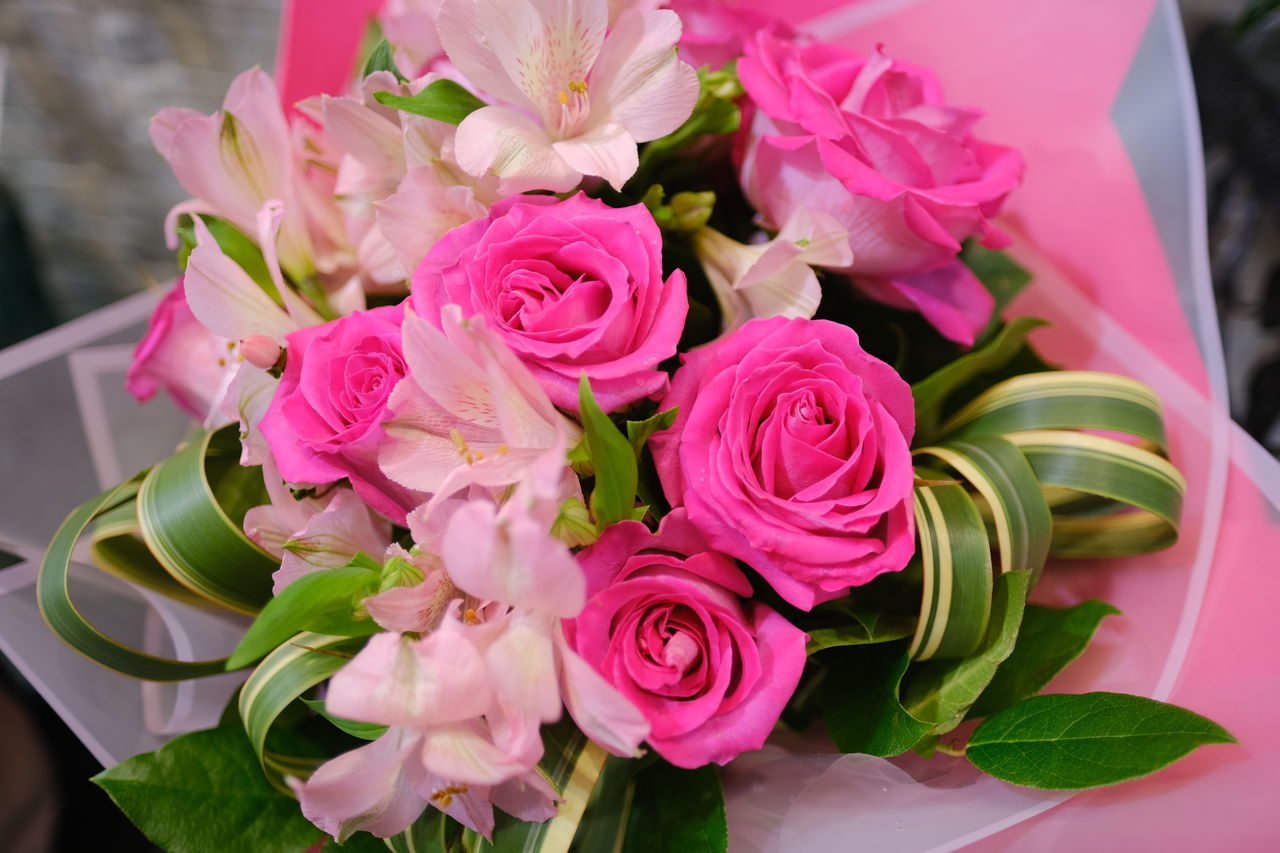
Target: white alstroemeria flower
{"x": 773, "y": 279}
{"x": 579, "y": 101}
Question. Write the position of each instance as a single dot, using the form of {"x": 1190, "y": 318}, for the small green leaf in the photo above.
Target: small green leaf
{"x": 443, "y": 100}
{"x": 383, "y": 59}
{"x": 999, "y": 274}
{"x": 320, "y": 601}
{"x": 941, "y": 691}
{"x": 639, "y": 432}
{"x": 866, "y": 627}
{"x": 364, "y": 731}
{"x": 675, "y": 810}
{"x": 1069, "y": 742}
{"x": 205, "y": 793}
{"x": 860, "y": 702}
{"x": 1050, "y": 638}
{"x": 613, "y": 459}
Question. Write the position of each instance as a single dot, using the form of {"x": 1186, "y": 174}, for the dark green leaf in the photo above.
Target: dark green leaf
{"x": 1068, "y": 742}
{"x": 639, "y": 432}
{"x": 205, "y": 793}
{"x": 613, "y": 459}
{"x": 676, "y": 811}
{"x": 364, "y": 731}
{"x": 443, "y": 100}
{"x": 863, "y": 629}
{"x": 320, "y": 601}
{"x": 1050, "y": 639}
{"x": 383, "y": 59}
{"x": 860, "y": 702}
{"x": 941, "y": 691}
{"x": 1001, "y": 276}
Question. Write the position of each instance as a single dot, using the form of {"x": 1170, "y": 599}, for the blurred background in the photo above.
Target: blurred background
{"x": 83, "y": 195}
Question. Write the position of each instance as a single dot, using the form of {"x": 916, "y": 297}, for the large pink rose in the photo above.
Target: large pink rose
{"x": 791, "y": 453}
{"x": 870, "y": 141}
{"x": 325, "y": 420}
{"x": 571, "y": 286}
{"x": 666, "y": 625}
{"x": 181, "y": 356}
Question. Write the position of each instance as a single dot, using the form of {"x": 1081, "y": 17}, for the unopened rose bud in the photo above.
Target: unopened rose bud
{"x": 260, "y": 351}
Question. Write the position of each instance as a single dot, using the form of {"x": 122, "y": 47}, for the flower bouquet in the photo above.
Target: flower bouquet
{"x": 590, "y": 394}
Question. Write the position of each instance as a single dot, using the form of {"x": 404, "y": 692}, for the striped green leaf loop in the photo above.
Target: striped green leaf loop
{"x": 996, "y": 469}
{"x": 117, "y": 548}
{"x": 284, "y": 675}
{"x": 191, "y": 508}
{"x": 1145, "y": 490}
{"x": 956, "y": 558}
{"x": 1066, "y": 399}
{"x": 69, "y": 625}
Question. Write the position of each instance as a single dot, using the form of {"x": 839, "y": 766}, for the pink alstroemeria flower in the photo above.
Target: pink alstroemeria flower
{"x": 577, "y": 100}
{"x": 236, "y": 160}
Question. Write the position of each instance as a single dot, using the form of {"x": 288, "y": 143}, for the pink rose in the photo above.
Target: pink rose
{"x": 570, "y": 286}
{"x": 791, "y": 453}
{"x": 715, "y": 30}
{"x": 325, "y": 420}
{"x": 181, "y": 356}
{"x": 666, "y": 625}
{"x": 869, "y": 141}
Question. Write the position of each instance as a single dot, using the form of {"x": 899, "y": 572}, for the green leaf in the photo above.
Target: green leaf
{"x": 1069, "y": 742}
{"x": 361, "y": 842}
{"x": 940, "y": 692}
{"x": 383, "y": 59}
{"x": 205, "y": 793}
{"x": 294, "y": 668}
{"x": 1050, "y": 638}
{"x": 1008, "y": 484}
{"x": 1147, "y": 492}
{"x": 932, "y": 392}
{"x": 860, "y": 704}
{"x": 955, "y": 558}
{"x": 639, "y": 432}
{"x": 1062, "y": 399}
{"x": 443, "y": 100}
{"x": 612, "y": 457}
{"x": 315, "y": 601}
{"x": 364, "y": 731}
{"x": 999, "y": 274}
{"x": 866, "y": 628}
{"x": 191, "y": 511}
{"x": 675, "y": 810}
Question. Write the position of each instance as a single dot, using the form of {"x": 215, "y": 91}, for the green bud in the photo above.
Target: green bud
{"x": 573, "y": 525}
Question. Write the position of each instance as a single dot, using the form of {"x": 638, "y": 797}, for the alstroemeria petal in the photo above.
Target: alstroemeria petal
{"x": 365, "y": 789}
{"x": 608, "y": 151}
{"x": 500, "y": 141}
{"x": 225, "y": 299}
{"x": 463, "y": 38}
{"x": 603, "y": 714}
{"x": 544, "y": 45}
{"x": 465, "y": 751}
{"x": 522, "y": 664}
{"x": 640, "y": 81}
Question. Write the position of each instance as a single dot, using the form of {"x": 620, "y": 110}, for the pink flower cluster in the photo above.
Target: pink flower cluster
{"x": 398, "y": 311}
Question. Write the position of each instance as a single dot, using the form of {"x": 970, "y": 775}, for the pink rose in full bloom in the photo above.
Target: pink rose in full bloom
{"x": 791, "y": 453}
{"x": 181, "y": 356}
{"x": 325, "y": 420}
{"x": 665, "y": 622}
{"x": 570, "y": 286}
{"x": 870, "y": 141}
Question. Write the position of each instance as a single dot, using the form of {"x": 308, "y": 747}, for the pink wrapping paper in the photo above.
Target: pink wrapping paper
{"x": 1047, "y": 73}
